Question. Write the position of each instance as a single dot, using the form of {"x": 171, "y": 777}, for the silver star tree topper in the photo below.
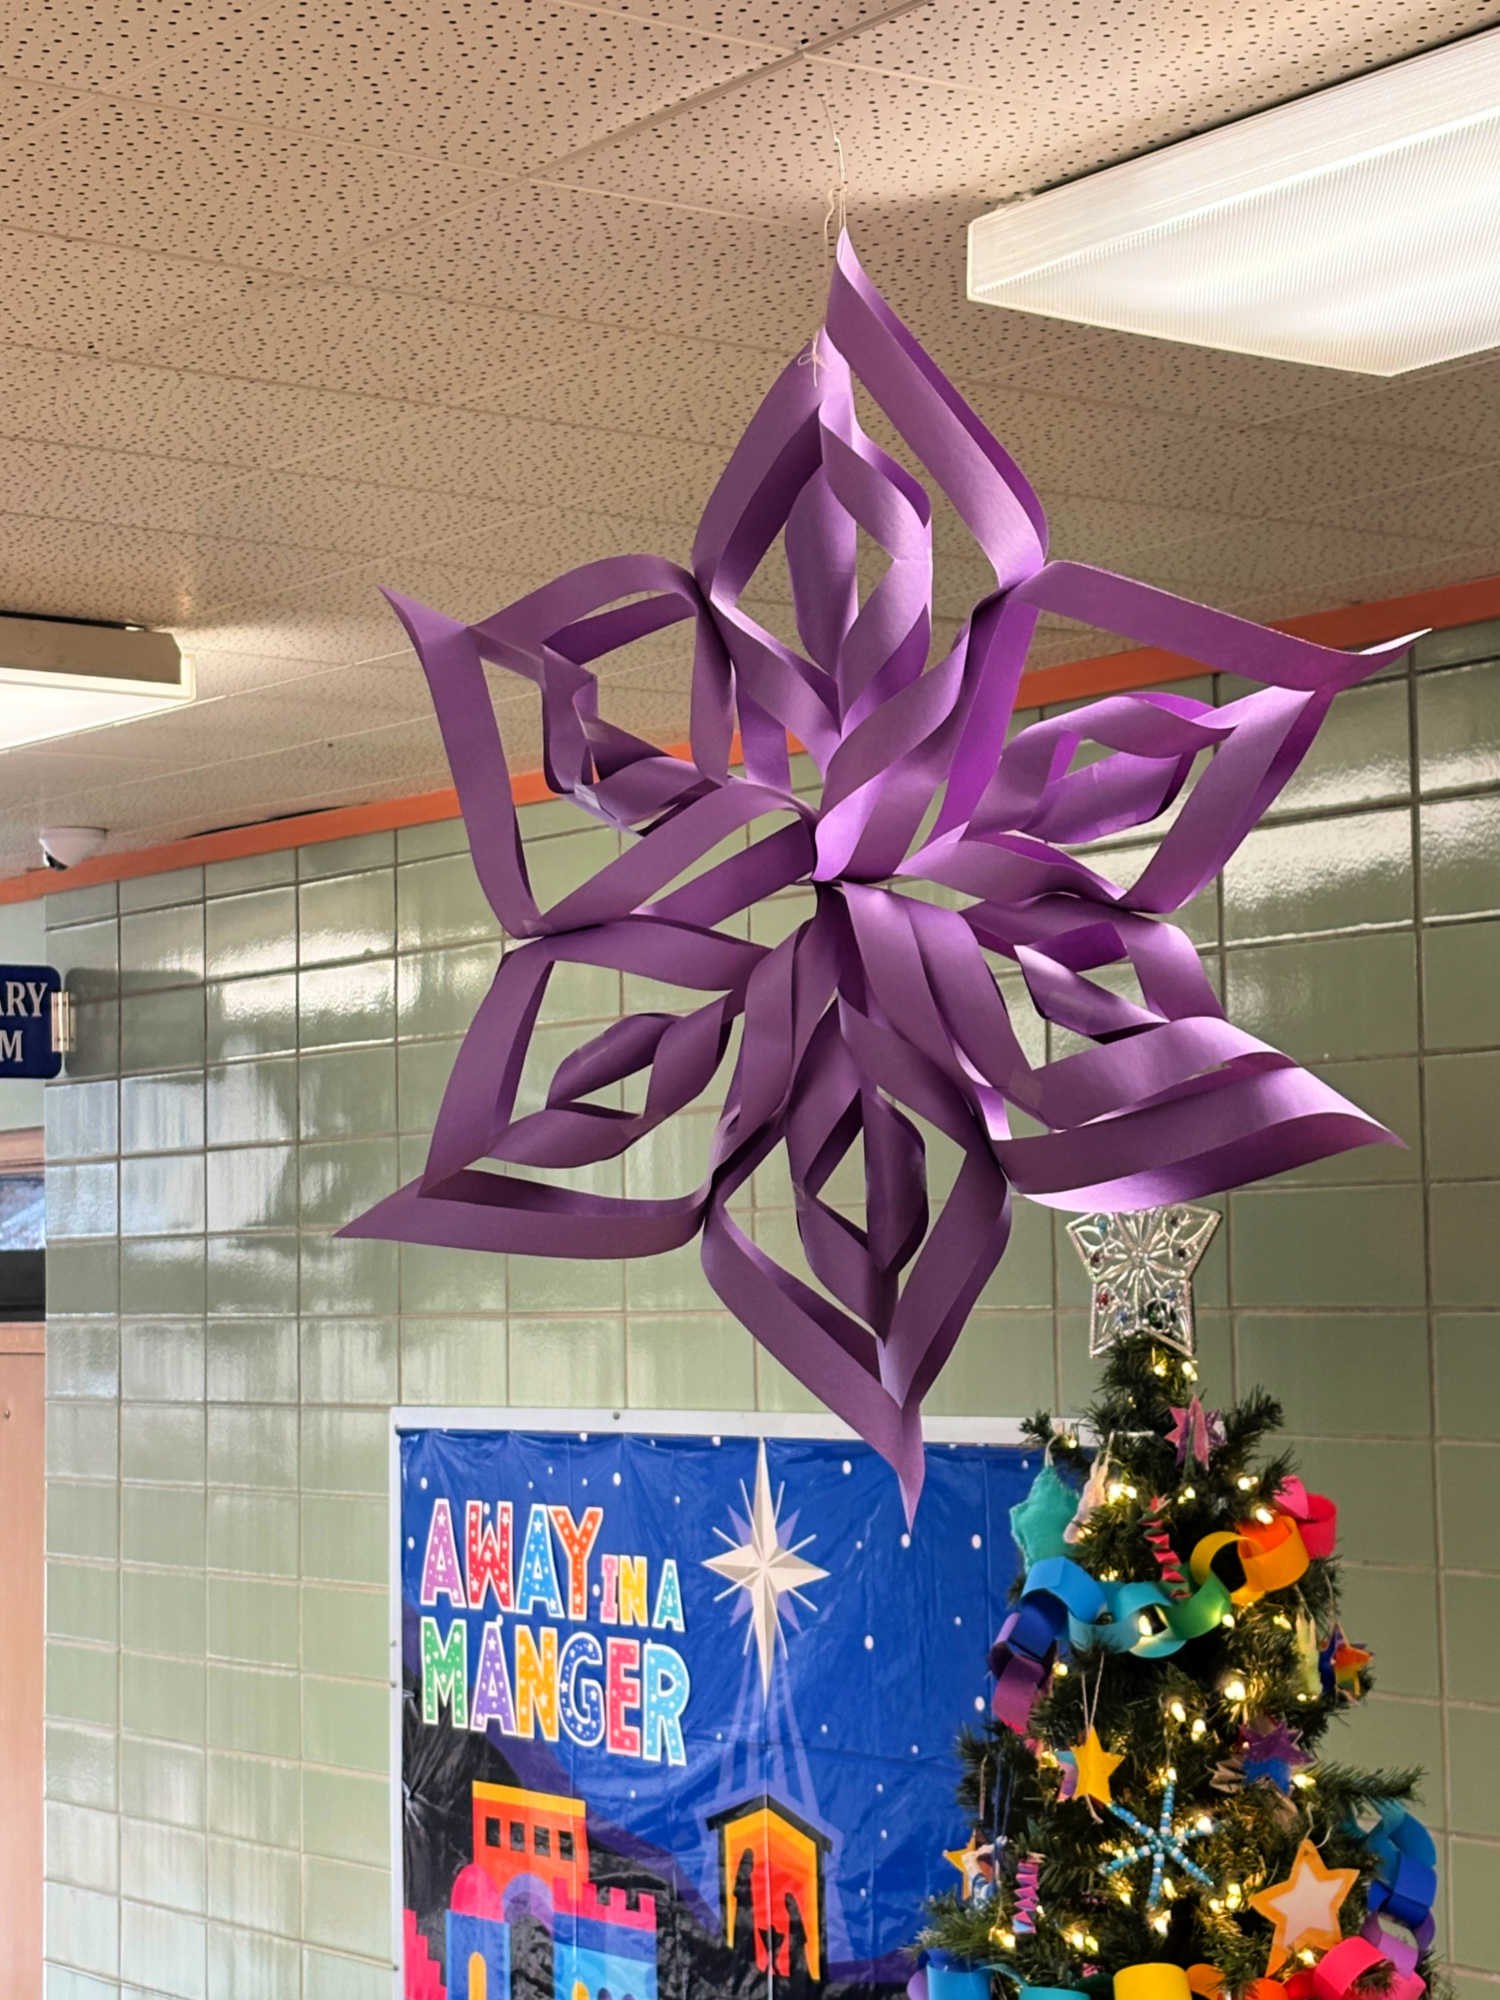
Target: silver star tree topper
{"x": 1140, "y": 1267}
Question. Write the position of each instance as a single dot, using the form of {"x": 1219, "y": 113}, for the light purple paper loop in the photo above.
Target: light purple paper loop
{"x": 881, "y": 1012}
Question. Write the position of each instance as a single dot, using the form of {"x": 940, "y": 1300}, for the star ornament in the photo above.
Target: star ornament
{"x": 1089, "y": 1767}
{"x": 766, "y": 1570}
{"x": 880, "y": 1019}
{"x": 1141, "y": 1268}
{"x": 1197, "y": 1433}
{"x": 1305, "y": 1907}
{"x": 1272, "y": 1751}
{"x": 975, "y": 1863}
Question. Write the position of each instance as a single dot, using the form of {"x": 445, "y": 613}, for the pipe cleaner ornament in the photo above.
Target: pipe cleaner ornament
{"x": 881, "y": 1009}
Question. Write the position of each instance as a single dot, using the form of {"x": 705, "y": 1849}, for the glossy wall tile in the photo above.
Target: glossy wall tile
{"x": 263, "y": 1047}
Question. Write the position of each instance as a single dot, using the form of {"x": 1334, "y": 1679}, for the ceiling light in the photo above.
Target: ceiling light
{"x": 1351, "y": 229}
{"x": 60, "y": 675}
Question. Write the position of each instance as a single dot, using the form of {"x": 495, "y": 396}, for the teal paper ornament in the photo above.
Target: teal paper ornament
{"x": 1039, "y": 1520}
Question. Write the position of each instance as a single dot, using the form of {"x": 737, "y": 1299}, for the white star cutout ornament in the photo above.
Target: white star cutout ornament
{"x": 766, "y": 1570}
{"x": 1140, "y": 1265}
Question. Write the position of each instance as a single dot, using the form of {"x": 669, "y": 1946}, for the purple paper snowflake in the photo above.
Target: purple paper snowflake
{"x": 880, "y": 1017}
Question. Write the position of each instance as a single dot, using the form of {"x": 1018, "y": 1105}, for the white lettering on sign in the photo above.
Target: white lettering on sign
{"x": 10, "y": 1044}
{"x": 24, "y": 997}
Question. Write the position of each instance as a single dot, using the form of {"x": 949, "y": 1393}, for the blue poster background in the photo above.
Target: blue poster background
{"x": 790, "y": 1849}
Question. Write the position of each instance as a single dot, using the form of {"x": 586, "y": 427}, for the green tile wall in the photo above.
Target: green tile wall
{"x": 263, "y": 1045}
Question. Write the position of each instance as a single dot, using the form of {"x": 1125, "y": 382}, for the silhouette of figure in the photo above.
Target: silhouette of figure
{"x": 798, "y": 1983}
{"x": 744, "y": 1907}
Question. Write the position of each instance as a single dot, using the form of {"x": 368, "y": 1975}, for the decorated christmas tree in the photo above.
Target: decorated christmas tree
{"x": 1153, "y": 1803}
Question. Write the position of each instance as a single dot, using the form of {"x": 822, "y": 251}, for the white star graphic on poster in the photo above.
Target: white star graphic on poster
{"x": 765, "y": 1569}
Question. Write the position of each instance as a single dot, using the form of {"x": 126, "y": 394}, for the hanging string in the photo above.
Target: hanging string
{"x": 835, "y": 221}
{"x": 1090, "y": 1709}
{"x": 838, "y": 191}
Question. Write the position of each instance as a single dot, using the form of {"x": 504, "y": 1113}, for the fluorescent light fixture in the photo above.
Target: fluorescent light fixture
{"x": 1358, "y": 228}
{"x": 60, "y": 675}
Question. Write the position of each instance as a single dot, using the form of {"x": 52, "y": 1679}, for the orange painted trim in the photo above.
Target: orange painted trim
{"x": 1107, "y": 673}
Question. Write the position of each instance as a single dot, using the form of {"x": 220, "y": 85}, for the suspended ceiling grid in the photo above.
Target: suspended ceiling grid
{"x": 300, "y": 299}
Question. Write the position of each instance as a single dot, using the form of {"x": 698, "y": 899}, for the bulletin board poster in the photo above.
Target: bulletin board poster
{"x": 677, "y": 1712}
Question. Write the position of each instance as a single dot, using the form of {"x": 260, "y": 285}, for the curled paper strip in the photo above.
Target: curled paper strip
{"x": 881, "y": 1013}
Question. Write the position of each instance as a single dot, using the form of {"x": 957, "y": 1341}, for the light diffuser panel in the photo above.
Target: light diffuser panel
{"x": 1355, "y": 229}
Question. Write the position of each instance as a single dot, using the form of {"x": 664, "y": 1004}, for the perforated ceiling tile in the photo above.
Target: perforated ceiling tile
{"x": 1075, "y": 87}
{"x": 1454, "y": 409}
{"x": 118, "y": 489}
{"x": 486, "y": 84}
{"x": 673, "y": 261}
{"x": 1255, "y": 554}
{"x": 484, "y": 456}
{"x": 365, "y": 344}
{"x": 56, "y": 770}
{"x": 1092, "y": 364}
{"x": 785, "y": 23}
{"x": 352, "y": 520}
{"x": 151, "y": 177}
{"x": 327, "y": 708}
{"x": 77, "y": 569}
{"x": 1458, "y": 511}
{"x": 164, "y": 413}
{"x": 84, "y": 298}
{"x": 282, "y": 328}
{"x": 765, "y": 147}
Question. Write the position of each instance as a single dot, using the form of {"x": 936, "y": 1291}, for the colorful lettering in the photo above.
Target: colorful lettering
{"x": 537, "y": 1582}
{"x": 668, "y": 1612}
{"x": 609, "y": 1609}
{"x": 666, "y": 1686}
{"x": 441, "y": 1576}
{"x": 582, "y": 1703}
{"x": 487, "y": 1545}
{"x": 622, "y": 1687}
{"x": 536, "y": 1681}
{"x": 492, "y": 1696}
{"x": 445, "y": 1672}
{"x": 632, "y": 1590}
{"x": 578, "y": 1538}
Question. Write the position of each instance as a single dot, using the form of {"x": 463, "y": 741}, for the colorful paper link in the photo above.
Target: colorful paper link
{"x": 1339, "y": 1971}
{"x": 1061, "y": 1602}
{"x": 882, "y": 1008}
{"x": 1405, "y": 1884}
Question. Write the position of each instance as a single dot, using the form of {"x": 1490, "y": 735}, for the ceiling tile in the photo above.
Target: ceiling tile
{"x": 1455, "y": 408}
{"x": 150, "y": 177}
{"x": 784, "y": 23}
{"x": 1255, "y": 554}
{"x": 79, "y": 569}
{"x": 86, "y": 298}
{"x": 489, "y": 83}
{"x": 1068, "y": 90}
{"x": 678, "y": 263}
{"x": 165, "y": 413}
{"x": 489, "y": 288}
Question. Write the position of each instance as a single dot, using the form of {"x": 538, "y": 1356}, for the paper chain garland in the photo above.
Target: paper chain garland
{"x": 881, "y": 1008}
{"x": 1061, "y": 1602}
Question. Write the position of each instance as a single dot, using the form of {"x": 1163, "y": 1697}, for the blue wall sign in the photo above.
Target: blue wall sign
{"x": 29, "y": 1041}
{"x": 677, "y": 1712}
